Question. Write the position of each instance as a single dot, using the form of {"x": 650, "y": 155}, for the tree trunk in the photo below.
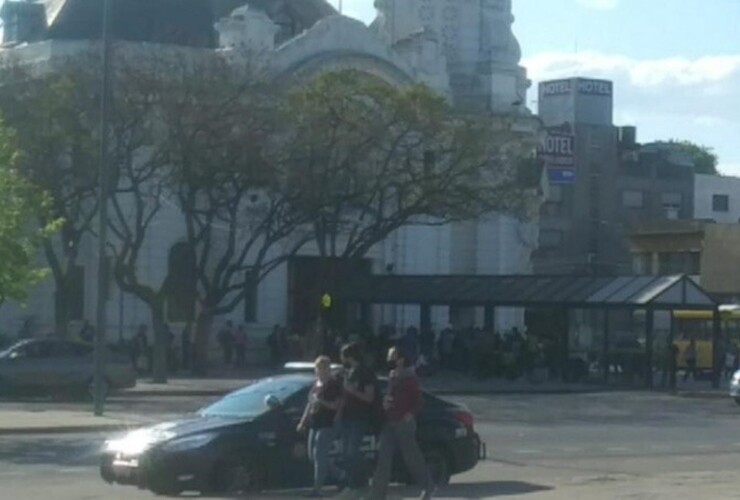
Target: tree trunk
{"x": 61, "y": 311}
{"x": 161, "y": 344}
{"x": 203, "y": 326}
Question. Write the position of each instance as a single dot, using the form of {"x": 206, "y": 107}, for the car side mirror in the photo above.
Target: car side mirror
{"x": 272, "y": 402}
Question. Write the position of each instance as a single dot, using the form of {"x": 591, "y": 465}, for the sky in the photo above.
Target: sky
{"x": 675, "y": 63}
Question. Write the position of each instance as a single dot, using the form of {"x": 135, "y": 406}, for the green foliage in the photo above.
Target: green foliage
{"x": 20, "y": 204}
{"x": 705, "y": 159}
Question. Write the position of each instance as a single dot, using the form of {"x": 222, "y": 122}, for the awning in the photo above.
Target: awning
{"x": 628, "y": 292}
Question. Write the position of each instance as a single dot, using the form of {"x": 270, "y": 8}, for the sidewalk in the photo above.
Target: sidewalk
{"x": 64, "y": 422}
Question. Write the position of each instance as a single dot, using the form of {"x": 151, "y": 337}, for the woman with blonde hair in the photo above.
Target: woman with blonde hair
{"x": 318, "y": 418}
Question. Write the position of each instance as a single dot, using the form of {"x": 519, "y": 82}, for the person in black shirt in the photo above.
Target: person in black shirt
{"x": 356, "y": 412}
{"x": 319, "y": 416}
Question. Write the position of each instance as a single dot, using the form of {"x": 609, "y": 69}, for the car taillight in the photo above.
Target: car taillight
{"x": 465, "y": 418}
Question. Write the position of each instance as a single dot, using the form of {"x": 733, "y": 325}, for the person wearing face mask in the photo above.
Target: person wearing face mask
{"x": 323, "y": 402}
{"x": 402, "y": 404}
{"x": 356, "y": 412}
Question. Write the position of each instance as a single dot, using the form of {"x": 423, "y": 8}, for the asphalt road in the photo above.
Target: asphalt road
{"x": 615, "y": 445}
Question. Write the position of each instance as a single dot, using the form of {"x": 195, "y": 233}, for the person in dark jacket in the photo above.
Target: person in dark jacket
{"x": 402, "y": 404}
{"x": 324, "y": 400}
{"x": 355, "y": 414}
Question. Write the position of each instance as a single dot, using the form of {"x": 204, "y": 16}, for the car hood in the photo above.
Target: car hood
{"x": 139, "y": 440}
{"x": 195, "y": 423}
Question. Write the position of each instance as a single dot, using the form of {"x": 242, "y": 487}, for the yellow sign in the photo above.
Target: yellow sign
{"x": 326, "y": 301}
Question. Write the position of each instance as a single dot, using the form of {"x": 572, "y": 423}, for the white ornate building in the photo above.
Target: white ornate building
{"x": 464, "y": 49}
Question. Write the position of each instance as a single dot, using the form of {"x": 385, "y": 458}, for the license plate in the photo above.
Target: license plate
{"x": 125, "y": 469}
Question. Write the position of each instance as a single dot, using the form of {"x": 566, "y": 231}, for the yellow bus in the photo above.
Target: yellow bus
{"x": 697, "y": 325}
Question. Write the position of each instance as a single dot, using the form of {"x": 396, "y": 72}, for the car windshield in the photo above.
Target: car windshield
{"x": 250, "y": 401}
{"x": 8, "y": 350}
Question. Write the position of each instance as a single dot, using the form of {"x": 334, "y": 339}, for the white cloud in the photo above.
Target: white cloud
{"x": 641, "y": 73}
{"x": 600, "y": 4}
{"x": 695, "y": 99}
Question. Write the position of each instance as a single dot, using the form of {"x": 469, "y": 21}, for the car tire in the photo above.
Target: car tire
{"x": 163, "y": 488}
{"x": 737, "y": 400}
{"x": 238, "y": 476}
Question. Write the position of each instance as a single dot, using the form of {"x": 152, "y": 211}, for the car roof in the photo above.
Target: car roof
{"x": 300, "y": 366}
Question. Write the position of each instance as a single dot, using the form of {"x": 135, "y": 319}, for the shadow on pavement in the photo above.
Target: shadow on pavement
{"x": 467, "y": 491}
{"x": 488, "y": 489}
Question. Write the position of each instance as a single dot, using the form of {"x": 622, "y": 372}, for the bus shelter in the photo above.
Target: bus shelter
{"x": 649, "y": 295}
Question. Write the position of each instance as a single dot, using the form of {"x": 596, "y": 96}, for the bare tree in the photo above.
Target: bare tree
{"x": 241, "y": 221}
{"x": 370, "y": 158}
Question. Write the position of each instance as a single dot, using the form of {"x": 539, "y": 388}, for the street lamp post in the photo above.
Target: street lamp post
{"x": 103, "y": 267}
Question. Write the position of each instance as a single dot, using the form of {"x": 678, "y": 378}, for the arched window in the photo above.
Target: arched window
{"x": 181, "y": 281}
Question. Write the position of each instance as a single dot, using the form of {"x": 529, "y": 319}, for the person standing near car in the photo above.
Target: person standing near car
{"x": 689, "y": 357}
{"x": 226, "y": 341}
{"x": 402, "y": 404}
{"x": 318, "y": 418}
{"x": 355, "y": 415}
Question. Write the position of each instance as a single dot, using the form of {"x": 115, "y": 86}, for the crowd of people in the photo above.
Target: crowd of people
{"x": 349, "y": 405}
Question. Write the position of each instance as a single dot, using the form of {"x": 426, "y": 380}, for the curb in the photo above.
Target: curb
{"x": 79, "y": 429}
{"x": 703, "y": 395}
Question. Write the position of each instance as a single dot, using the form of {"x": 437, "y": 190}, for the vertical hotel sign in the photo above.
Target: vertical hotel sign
{"x": 557, "y": 152}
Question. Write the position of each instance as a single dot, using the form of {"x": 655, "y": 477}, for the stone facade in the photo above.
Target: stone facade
{"x": 464, "y": 49}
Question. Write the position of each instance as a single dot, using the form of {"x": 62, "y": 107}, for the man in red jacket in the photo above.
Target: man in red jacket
{"x": 402, "y": 404}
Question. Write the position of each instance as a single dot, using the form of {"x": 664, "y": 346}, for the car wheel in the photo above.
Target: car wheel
{"x": 238, "y": 476}
{"x": 439, "y": 466}
{"x": 163, "y": 487}
{"x": 737, "y": 401}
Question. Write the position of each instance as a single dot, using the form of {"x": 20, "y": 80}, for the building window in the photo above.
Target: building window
{"x": 642, "y": 264}
{"x": 720, "y": 203}
{"x": 250, "y": 298}
{"x": 181, "y": 283}
{"x": 633, "y": 199}
{"x": 671, "y": 203}
{"x": 695, "y": 263}
{"x": 679, "y": 263}
{"x": 550, "y": 238}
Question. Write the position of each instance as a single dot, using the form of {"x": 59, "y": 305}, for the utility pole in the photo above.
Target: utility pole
{"x": 99, "y": 382}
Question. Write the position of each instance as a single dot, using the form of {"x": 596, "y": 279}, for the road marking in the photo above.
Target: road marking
{"x": 528, "y": 452}
{"x": 571, "y": 449}
{"x": 617, "y": 448}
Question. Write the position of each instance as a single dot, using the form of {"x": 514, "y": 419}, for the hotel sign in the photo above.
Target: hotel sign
{"x": 582, "y": 86}
{"x": 558, "y": 150}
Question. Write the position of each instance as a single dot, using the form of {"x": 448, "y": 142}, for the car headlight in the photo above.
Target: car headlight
{"x": 736, "y": 378}
{"x": 187, "y": 443}
{"x": 137, "y": 442}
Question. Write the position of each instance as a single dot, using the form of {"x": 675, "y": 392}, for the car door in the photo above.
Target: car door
{"x": 24, "y": 368}
{"x": 292, "y": 451}
{"x": 66, "y": 365}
